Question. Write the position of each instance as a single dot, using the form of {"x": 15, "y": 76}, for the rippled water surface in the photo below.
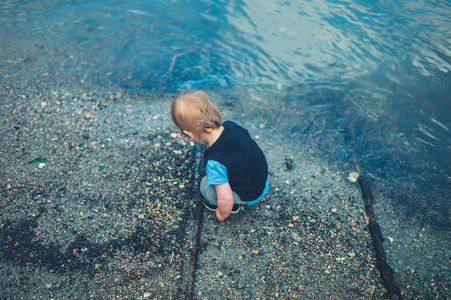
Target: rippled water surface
{"x": 366, "y": 80}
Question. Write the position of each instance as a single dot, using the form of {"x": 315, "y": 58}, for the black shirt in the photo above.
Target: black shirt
{"x": 247, "y": 169}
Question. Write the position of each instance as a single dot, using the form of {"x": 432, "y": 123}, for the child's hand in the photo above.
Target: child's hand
{"x": 220, "y": 216}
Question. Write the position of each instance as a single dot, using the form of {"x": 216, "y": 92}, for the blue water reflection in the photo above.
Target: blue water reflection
{"x": 230, "y": 43}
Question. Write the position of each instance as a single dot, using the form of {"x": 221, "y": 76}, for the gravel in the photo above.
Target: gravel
{"x": 96, "y": 197}
{"x": 306, "y": 240}
{"x": 98, "y": 200}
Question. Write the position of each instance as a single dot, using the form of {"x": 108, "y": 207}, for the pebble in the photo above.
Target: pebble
{"x": 296, "y": 237}
{"x": 353, "y": 176}
{"x": 365, "y": 217}
{"x": 352, "y": 179}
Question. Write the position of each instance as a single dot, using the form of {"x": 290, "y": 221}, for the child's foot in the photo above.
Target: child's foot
{"x": 209, "y": 206}
{"x": 235, "y": 209}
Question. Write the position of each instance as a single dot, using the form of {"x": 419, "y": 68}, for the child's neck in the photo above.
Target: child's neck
{"x": 213, "y": 136}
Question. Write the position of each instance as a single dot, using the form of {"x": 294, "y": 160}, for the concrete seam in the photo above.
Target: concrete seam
{"x": 194, "y": 255}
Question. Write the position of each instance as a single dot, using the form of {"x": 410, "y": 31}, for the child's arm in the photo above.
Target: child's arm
{"x": 225, "y": 200}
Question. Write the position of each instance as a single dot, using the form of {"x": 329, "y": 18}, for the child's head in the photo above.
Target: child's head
{"x": 194, "y": 112}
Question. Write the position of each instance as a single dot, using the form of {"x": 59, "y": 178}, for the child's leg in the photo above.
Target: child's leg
{"x": 209, "y": 193}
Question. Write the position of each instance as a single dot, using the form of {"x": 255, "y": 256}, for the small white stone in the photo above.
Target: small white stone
{"x": 41, "y": 165}
{"x": 353, "y": 175}
{"x": 296, "y": 237}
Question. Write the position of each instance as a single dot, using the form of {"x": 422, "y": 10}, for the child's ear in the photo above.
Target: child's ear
{"x": 189, "y": 133}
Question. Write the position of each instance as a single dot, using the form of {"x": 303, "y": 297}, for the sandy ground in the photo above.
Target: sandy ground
{"x": 98, "y": 200}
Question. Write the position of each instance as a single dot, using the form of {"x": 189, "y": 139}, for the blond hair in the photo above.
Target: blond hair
{"x": 193, "y": 111}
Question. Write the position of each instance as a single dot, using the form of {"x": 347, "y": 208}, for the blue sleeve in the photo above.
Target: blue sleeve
{"x": 216, "y": 173}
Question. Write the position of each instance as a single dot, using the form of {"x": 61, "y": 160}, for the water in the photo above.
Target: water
{"x": 365, "y": 80}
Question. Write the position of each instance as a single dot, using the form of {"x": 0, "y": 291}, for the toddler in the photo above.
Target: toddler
{"x": 236, "y": 168}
